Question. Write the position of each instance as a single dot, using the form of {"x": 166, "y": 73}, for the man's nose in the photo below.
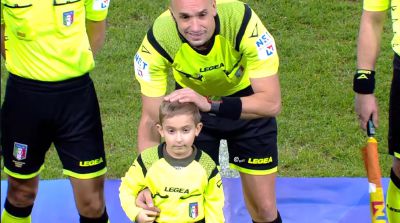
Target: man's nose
{"x": 195, "y": 25}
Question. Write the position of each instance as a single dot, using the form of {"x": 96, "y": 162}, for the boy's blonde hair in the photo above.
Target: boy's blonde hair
{"x": 171, "y": 109}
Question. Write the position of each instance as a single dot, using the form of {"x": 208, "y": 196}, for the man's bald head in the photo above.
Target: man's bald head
{"x": 173, "y": 2}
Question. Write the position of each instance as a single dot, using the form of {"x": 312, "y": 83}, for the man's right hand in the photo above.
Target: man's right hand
{"x": 145, "y": 201}
{"x": 365, "y": 106}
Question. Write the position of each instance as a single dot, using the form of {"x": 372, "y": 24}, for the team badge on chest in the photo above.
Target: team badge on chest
{"x": 20, "y": 151}
{"x": 68, "y": 18}
{"x": 193, "y": 210}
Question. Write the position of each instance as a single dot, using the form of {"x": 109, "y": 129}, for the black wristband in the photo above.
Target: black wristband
{"x": 364, "y": 81}
{"x": 214, "y": 107}
{"x": 230, "y": 107}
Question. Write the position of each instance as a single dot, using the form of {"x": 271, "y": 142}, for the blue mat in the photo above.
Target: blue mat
{"x": 300, "y": 200}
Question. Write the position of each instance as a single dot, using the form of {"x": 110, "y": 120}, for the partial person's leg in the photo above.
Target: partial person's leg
{"x": 393, "y": 192}
{"x": 25, "y": 138}
{"x": 89, "y": 199}
{"x": 260, "y": 198}
{"x": 21, "y": 195}
{"x": 80, "y": 146}
{"x": 256, "y": 159}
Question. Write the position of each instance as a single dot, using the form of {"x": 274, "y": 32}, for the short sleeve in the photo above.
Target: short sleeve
{"x": 376, "y": 5}
{"x": 96, "y": 10}
{"x": 258, "y": 46}
{"x": 151, "y": 70}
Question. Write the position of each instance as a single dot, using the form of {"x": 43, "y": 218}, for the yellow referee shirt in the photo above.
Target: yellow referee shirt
{"x": 46, "y": 40}
{"x": 242, "y": 49}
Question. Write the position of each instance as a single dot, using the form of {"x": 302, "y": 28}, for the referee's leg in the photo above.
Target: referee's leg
{"x": 89, "y": 199}
{"x": 21, "y": 194}
{"x": 79, "y": 143}
{"x": 260, "y": 197}
{"x": 393, "y": 192}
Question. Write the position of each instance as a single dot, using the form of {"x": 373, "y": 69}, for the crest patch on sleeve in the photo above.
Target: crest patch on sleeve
{"x": 265, "y": 46}
{"x": 99, "y": 5}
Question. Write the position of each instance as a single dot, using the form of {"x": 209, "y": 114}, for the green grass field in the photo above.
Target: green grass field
{"x": 316, "y": 41}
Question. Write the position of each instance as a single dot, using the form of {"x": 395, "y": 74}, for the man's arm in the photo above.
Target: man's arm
{"x": 266, "y": 100}
{"x": 96, "y": 31}
{"x": 147, "y": 133}
{"x": 368, "y": 48}
{"x": 3, "y": 50}
{"x": 369, "y": 39}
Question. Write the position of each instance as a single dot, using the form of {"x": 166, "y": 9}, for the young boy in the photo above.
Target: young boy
{"x": 184, "y": 181}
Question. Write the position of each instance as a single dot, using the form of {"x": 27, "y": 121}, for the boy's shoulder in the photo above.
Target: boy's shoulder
{"x": 148, "y": 156}
{"x": 206, "y": 162}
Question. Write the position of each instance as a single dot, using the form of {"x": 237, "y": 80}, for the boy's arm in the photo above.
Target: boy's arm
{"x": 214, "y": 199}
{"x": 131, "y": 185}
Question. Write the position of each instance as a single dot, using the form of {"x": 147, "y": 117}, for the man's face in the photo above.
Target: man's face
{"x": 195, "y": 20}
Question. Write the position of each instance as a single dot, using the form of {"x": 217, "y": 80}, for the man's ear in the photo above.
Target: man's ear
{"x": 214, "y": 5}
{"x": 172, "y": 13}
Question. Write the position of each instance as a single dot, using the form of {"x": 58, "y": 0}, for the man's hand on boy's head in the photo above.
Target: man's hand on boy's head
{"x": 145, "y": 201}
{"x": 189, "y": 95}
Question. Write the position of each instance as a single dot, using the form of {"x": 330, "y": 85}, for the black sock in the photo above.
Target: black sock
{"x": 102, "y": 219}
{"x": 277, "y": 220}
{"x": 17, "y": 211}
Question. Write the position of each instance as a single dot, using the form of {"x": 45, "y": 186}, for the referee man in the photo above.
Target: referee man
{"x": 48, "y": 47}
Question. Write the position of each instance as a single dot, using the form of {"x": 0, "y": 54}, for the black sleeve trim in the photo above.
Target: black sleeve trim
{"x": 245, "y": 22}
{"x": 152, "y": 40}
{"x": 213, "y": 173}
{"x": 140, "y": 161}
{"x": 160, "y": 150}
{"x": 394, "y": 178}
{"x": 198, "y": 155}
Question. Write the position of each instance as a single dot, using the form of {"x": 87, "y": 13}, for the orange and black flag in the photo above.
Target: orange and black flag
{"x": 371, "y": 163}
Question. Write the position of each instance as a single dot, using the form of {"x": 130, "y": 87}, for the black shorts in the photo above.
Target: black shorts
{"x": 252, "y": 144}
{"x": 66, "y": 113}
{"x": 394, "y": 110}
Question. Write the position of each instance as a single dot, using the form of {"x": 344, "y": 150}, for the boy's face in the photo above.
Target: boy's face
{"x": 179, "y": 133}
